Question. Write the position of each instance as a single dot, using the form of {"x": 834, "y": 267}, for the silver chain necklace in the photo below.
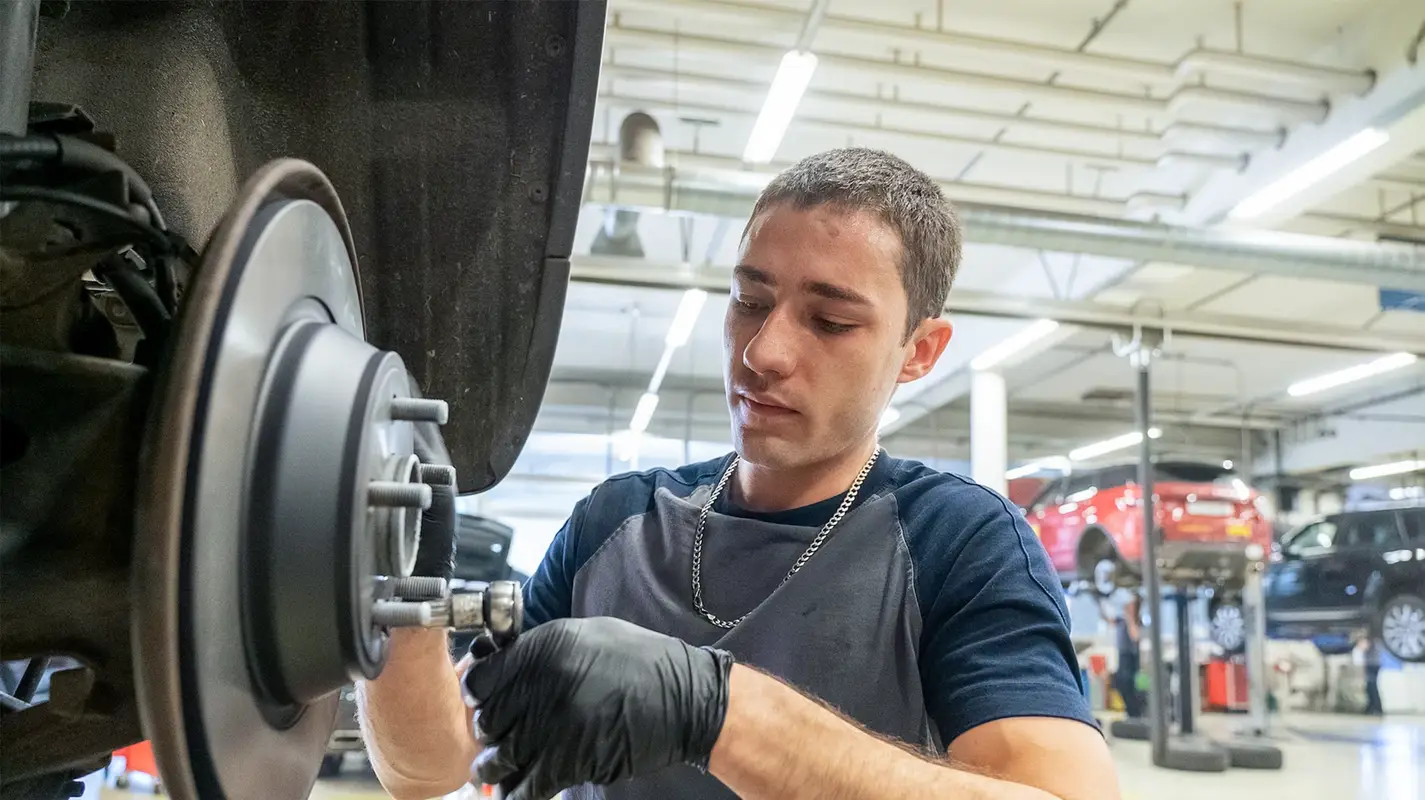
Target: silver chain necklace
{"x": 801, "y": 562}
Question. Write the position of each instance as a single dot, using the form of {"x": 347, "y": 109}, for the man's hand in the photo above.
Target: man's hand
{"x": 578, "y": 701}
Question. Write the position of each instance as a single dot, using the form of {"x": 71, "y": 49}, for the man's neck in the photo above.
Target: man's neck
{"x": 764, "y": 489}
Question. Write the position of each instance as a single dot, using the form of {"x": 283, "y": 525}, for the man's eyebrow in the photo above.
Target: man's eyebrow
{"x": 820, "y": 288}
{"x": 754, "y": 275}
{"x": 833, "y": 292}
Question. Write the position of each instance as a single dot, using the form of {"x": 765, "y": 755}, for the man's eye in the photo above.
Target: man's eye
{"x": 747, "y": 305}
{"x": 834, "y": 327}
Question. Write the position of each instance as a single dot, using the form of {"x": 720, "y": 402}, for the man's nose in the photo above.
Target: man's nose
{"x": 772, "y": 349}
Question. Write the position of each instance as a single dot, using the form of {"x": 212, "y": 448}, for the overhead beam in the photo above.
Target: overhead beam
{"x": 635, "y": 272}
{"x": 1365, "y": 436}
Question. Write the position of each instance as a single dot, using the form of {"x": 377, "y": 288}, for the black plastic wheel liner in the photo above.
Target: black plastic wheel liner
{"x": 456, "y": 134}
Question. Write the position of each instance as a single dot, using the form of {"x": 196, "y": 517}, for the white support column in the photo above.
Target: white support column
{"x": 989, "y": 432}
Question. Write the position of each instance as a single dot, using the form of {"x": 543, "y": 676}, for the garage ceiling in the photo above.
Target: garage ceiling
{"x": 1148, "y": 110}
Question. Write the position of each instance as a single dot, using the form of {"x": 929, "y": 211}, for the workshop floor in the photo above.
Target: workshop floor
{"x": 1333, "y": 756}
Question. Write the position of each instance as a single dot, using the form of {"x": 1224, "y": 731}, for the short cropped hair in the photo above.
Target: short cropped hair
{"x": 903, "y": 197}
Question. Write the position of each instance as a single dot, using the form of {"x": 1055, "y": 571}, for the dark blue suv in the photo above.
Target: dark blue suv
{"x": 1352, "y": 572}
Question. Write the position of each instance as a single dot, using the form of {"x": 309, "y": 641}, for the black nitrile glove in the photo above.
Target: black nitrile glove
{"x": 597, "y": 700}
{"x": 435, "y": 556}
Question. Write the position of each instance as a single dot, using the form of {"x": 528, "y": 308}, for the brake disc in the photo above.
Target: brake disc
{"x": 279, "y": 480}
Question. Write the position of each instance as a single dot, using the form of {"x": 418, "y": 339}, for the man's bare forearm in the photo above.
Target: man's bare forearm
{"x": 775, "y": 743}
{"x": 414, "y": 719}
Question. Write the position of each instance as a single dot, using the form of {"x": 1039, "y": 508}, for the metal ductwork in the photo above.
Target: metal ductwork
{"x": 640, "y": 146}
{"x": 718, "y": 193}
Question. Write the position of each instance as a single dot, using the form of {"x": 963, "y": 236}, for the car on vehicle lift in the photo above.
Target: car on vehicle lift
{"x": 1342, "y": 574}
{"x": 482, "y": 551}
{"x": 1092, "y": 526}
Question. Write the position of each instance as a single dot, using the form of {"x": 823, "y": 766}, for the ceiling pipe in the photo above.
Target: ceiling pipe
{"x": 640, "y": 145}
{"x": 873, "y": 105}
{"x": 712, "y": 170}
{"x": 1198, "y": 62}
{"x": 1276, "y": 108}
{"x": 701, "y": 169}
{"x": 1204, "y": 62}
{"x": 992, "y": 145}
{"x": 1397, "y": 266}
{"x": 1236, "y": 141}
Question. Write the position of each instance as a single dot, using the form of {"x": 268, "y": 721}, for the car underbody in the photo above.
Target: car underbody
{"x": 254, "y": 257}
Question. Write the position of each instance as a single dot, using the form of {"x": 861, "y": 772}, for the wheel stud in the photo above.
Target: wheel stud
{"x": 418, "y": 587}
{"x": 437, "y": 475}
{"x": 420, "y": 409}
{"x": 399, "y": 614}
{"x": 394, "y": 494}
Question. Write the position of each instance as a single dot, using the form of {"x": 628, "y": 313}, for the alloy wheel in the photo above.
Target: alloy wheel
{"x": 1403, "y": 628}
{"x": 1229, "y": 630}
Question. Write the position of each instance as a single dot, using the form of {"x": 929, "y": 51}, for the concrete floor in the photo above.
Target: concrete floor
{"x": 1327, "y": 757}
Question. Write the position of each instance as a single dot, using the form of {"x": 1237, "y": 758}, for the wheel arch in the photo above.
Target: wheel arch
{"x": 1094, "y": 544}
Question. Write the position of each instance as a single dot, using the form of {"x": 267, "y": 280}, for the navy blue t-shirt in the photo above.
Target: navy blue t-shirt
{"x": 930, "y": 609}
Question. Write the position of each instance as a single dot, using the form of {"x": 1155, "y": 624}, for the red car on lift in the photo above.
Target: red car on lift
{"x": 1092, "y": 526}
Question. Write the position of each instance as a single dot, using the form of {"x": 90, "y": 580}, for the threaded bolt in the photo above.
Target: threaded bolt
{"x": 420, "y": 587}
{"x": 394, "y": 494}
{"x": 438, "y": 474}
{"x": 420, "y": 409}
{"x": 398, "y": 614}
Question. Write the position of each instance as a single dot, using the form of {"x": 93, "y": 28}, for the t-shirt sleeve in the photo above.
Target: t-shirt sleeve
{"x": 549, "y": 591}
{"x": 995, "y": 638}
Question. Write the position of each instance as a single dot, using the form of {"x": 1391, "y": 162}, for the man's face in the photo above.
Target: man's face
{"x": 814, "y": 335}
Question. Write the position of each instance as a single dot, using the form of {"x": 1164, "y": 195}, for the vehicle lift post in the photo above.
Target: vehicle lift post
{"x": 1250, "y": 746}
{"x": 1187, "y": 751}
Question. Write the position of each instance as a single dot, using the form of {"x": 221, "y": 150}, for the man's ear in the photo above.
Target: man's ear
{"x": 926, "y": 344}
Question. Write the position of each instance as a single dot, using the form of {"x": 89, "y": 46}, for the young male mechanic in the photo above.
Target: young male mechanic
{"x": 807, "y": 617}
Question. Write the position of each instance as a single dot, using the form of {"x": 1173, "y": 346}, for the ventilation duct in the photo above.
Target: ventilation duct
{"x": 640, "y": 145}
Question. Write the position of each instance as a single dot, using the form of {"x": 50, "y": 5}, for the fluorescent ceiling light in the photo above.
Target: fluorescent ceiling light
{"x": 889, "y": 416}
{"x": 1310, "y": 173}
{"x": 1227, "y": 464}
{"x": 1012, "y": 345}
{"x": 1059, "y": 463}
{"x": 688, "y": 309}
{"x": 661, "y": 370}
{"x": 1351, "y": 374}
{"x": 643, "y": 413}
{"x": 1382, "y": 470}
{"x": 1106, "y": 446}
{"x": 782, "y": 99}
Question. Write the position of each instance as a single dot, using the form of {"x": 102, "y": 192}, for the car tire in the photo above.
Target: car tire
{"x": 1227, "y": 625}
{"x": 331, "y": 766}
{"x": 1401, "y": 627}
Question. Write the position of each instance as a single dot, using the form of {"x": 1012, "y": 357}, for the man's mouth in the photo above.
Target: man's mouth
{"x": 765, "y": 406}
